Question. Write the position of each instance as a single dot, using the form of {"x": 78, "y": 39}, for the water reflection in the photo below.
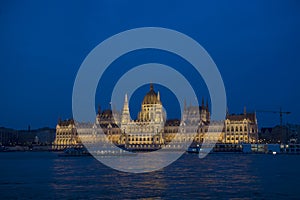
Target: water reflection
{"x": 225, "y": 176}
{"x": 78, "y": 175}
{"x": 188, "y": 177}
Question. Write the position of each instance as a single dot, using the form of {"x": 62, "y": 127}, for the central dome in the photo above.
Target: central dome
{"x": 151, "y": 97}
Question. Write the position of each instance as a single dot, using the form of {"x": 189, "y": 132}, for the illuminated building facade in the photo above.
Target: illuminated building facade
{"x": 152, "y": 129}
{"x": 241, "y": 128}
{"x": 66, "y": 135}
{"x": 148, "y": 128}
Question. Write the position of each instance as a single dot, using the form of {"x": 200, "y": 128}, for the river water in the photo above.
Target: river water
{"x": 45, "y": 175}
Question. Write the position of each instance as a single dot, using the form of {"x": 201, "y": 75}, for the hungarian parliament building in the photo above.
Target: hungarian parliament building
{"x": 152, "y": 129}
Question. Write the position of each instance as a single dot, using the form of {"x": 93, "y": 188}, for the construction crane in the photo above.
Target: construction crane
{"x": 281, "y": 113}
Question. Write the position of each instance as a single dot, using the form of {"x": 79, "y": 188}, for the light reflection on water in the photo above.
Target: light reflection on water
{"x": 44, "y": 175}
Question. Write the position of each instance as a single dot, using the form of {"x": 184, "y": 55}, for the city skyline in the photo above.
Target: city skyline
{"x": 149, "y": 99}
{"x": 255, "y": 46}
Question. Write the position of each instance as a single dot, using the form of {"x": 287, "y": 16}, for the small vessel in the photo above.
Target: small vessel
{"x": 193, "y": 150}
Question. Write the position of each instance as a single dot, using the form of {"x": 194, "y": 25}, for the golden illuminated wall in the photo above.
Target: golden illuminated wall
{"x": 149, "y": 125}
{"x": 241, "y": 129}
{"x": 66, "y": 135}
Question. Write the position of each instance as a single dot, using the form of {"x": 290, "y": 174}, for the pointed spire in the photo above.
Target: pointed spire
{"x": 151, "y": 86}
{"x": 245, "y": 111}
{"x": 126, "y": 107}
{"x": 125, "y": 112}
{"x": 158, "y": 96}
{"x": 202, "y": 104}
{"x": 126, "y": 98}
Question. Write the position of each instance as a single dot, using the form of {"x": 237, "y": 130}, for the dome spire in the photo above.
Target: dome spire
{"x": 151, "y": 97}
{"x": 151, "y": 87}
{"x": 126, "y": 98}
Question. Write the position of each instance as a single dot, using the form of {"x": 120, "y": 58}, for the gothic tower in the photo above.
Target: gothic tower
{"x": 125, "y": 112}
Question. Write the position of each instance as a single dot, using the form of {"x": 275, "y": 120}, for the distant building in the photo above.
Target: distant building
{"x": 11, "y": 137}
{"x": 235, "y": 129}
{"x": 191, "y": 115}
{"x": 42, "y": 136}
{"x": 109, "y": 121}
{"x": 152, "y": 128}
{"x": 241, "y": 128}
{"x": 278, "y": 134}
{"x": 66, "y": 135}
{"x": 71, "y": 134}
{"x": 268, "y": 135}
{"x": 149, "y": 125}
{"x": 8, "y": 136}
{"x": 293, "y": 132}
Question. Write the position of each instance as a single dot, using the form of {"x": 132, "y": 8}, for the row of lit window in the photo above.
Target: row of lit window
{"x": 237, "y": 128}
{"x": 64, "y": 133}
{"x": 140, "y": 139}
{"x": 235, "y": 133}
{"x": 237, "y": 138}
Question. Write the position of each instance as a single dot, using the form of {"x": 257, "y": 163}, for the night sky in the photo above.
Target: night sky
{"x": 255, "y": 45}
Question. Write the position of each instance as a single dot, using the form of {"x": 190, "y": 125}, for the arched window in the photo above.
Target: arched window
{"x": 245, "y": 128}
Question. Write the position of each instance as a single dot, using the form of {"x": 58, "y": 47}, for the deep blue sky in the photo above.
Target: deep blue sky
{"x": 255, "y": 45}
